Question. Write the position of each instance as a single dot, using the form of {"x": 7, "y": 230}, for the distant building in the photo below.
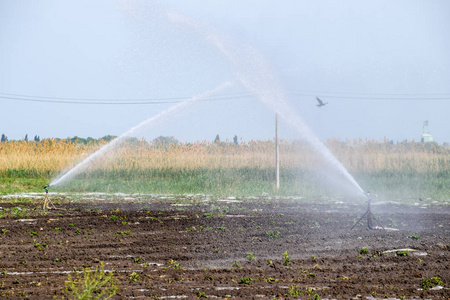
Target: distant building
{"x": 426, "y": 136}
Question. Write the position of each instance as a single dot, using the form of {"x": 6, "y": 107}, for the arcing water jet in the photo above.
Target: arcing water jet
{"x": 161, "y": 117}
{"x": 254, "y": 74}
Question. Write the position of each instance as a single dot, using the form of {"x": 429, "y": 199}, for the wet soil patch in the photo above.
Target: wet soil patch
{"x": 250, "y": 249}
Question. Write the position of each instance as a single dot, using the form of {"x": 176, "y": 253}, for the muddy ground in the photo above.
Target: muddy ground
{"x": 181, "y": 247}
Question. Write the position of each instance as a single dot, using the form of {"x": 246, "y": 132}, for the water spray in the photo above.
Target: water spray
{"x": 161, "y": 117}
{"x": 369, "y": 216}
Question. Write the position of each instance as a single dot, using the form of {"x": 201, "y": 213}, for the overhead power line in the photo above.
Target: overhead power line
{"x": 104, "y": 101}
{"x": 167, "y": 100}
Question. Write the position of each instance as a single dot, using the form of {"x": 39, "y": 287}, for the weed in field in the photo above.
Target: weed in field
{"x": 363, "y": 251}
{"x": 92, "y": 284}
{"x": 125, "y": 232}
{"x": 40, "y": 246}
{"x": 286, "y": 259}
{"x": 202, "y": 295}
{"x": 173, "y": 264}
{"x": 222, "y": 228}
{"x": 137, "y": 260}
{"x": 402, "y": 253}
{"x": 135, "y": 277}
{"x": 246, "y": 280}
{"x": 251, "y": 256}
{"x": 113, "y": 218}
{"x": 414, "y": 236}
{"x": 273, "y": 234}
{"x": 314, "y": 224}
{"x": 428, "y": 283}
{"x": 294, "y": 290}
{"x": 4, "y": 231}
{"x": 236, "y": 265}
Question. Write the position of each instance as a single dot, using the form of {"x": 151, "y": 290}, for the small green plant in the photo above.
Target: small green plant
{"x": 33, "y": 233}
{"x": 294, "y": 290}
{"x": 71, "y": 225}
{"x": 209, "y": 215}
{"x": 314, "y": 224}
{"x": 251, "y": 256}
{"x": 5, "y": 230}
{"x": 202, "y": 295}
{"x": 92, "y": 284}
{"x": 137, "y": 260}
{"x": 40, "y": 246}
{"x": 286, "y": 259}
{"x": 113, "y": 218}
{"x": 414, "y": 236}
{"x": 222, "y": 228}
{"x": 209, "y": 277}
{"x": 236, "y": 265}
{"x": 125, "y": 232}
{"x": 57, "y": 229}
{"x": 313, "y": 258}
{"x": 311, "y": 275}
{"x": 246, "y": 280}
{"x": 135, "y": 277}
{"x": 402, "y": 253}
{"x": 363, "y": 251}
{"x": 428, "y": 283}
{"x": 315, "y": 297}
{"x": 273, "y": 234}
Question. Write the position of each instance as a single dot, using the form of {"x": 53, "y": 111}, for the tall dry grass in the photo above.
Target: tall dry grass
{"x": 51, "y": 156}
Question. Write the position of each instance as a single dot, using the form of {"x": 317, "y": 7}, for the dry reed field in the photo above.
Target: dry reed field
{"x": 50, "y": 156}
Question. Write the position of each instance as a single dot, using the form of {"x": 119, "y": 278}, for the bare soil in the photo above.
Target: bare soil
{"x": 190, "y": 248}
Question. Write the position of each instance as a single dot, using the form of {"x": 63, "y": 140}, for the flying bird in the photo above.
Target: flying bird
{"x": 320, "y": 102}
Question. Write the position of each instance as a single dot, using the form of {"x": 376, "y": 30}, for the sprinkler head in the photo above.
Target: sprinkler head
{"x": 46, "y": 188}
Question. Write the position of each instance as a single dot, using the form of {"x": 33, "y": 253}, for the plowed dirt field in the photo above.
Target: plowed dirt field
{"x": 258, "y": 248}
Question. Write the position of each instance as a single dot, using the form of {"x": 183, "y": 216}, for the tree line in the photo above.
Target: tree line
{"x": 165, "y": 140}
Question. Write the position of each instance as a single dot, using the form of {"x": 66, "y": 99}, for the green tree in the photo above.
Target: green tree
{"x": 4, "y": 138}
{"x": 235, "y": 140}
{"x": 217, "y": 139}
{"x": 165, "y": 140}
{"x": 26, "y": 138}
{"x": 108, "y": 137}
{"x": 37, "y": 138}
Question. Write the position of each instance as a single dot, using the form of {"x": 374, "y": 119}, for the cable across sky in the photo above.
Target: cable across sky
{"x": 166, "y": 100}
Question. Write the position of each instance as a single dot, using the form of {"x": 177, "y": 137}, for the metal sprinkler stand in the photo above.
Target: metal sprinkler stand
{"x": 47, "y": 200}
{"x": 369, "y": 217}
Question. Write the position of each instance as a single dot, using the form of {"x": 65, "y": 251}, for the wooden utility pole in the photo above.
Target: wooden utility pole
{"x": 277, "y": 156}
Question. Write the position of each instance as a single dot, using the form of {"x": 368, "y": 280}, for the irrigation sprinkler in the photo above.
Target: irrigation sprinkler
{"x": 47, "y": 200}
{"x": 369, "y": 217}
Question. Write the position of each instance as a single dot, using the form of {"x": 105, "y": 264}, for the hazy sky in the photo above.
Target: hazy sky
{"x": 382, "y": 66}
